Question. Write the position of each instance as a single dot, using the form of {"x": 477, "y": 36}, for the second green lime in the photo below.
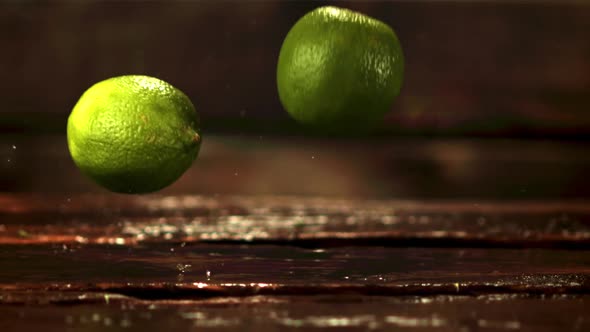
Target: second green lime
{"x": 339, "y": 70}
{"x": 134, "y": 134}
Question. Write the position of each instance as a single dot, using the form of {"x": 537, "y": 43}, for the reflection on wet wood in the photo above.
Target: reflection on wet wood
{"x": 160, "y": 271}
{"x": 256, "y": 263}
{"x": 264, "y": 313}
{"x": 307, "y": 222}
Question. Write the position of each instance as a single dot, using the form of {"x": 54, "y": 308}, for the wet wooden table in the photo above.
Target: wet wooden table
{"x": 96, "y": 261}
{"x": 326, "y": 257}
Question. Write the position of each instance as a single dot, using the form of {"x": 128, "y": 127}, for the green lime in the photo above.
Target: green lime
{"x": 133, "y": 134}
{"x": 339, "y": 70}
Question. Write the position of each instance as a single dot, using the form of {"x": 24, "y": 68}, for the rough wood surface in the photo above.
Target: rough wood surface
{"x": 315, "y": 222}
{"x": 261, "y": 263}
{"x": 159, "y": 271}
{"x": 315, "y": 313}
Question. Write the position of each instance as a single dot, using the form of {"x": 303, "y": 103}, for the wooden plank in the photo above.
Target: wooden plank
{"x": 160, "y": 271}
{"x": 311, "y": 222}
{"x": 286, "y": 313}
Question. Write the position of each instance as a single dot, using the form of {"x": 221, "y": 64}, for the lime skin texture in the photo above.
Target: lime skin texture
{"x": 339, "y": 70}
{"x": 133, "y": 134}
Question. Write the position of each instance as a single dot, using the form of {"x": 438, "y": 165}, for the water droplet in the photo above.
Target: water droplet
{"x": 14, "y": 147}
{"x": 182, "y": 268}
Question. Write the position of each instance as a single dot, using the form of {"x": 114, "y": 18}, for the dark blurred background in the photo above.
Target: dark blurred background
{"x": 514, "y": 71}
{"x": 473, "y": 67}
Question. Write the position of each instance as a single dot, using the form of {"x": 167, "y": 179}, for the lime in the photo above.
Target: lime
{"x": 133, "y": 134}
{"x": 339, "y": 70}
